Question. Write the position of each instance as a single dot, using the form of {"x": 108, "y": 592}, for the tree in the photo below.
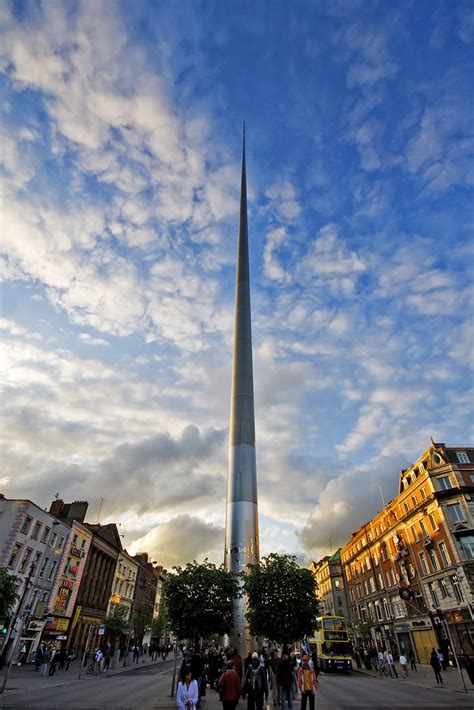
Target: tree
{"x": 200, "y": 600}
{"x": 160, "y": 624}
{"x": 281, "y": 599}
{"x": 142, "y": 619}
{"x": 7, "y": 593}
{"x": 116, "y": 622}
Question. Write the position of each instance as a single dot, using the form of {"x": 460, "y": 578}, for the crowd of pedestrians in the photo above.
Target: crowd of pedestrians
{"x": 252, "y": 679}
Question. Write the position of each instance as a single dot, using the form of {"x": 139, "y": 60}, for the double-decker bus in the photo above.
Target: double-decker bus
{"x": 332, "y": 645}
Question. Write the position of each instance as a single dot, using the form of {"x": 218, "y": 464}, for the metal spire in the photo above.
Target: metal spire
{"x": 241, "y": 534}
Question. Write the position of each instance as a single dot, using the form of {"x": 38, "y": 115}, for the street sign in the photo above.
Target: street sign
{"x": 61, "y": 638}
{"x": 101, "y": 630}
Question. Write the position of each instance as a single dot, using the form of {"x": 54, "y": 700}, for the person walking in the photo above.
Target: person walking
{"x": 273, "y": 666}
{"x": 307, "y": 683}
{"x": 285, "y": 681}
{"x": 255, "y": 685}
{"x": 391, "y": 665}
{"x": 187, "y": 695}
{"x": 412, "y": 660}
{"x": 436, "y": 666}
{"x": 54, "y": 661}
{"x": 197, "y": 669}
{"x": 45, "y": 659}
{"x": 403, "y": 665}
{"x": 230, "y": 687}
{"x": 237, "y": 661}
{"x": 39, "y": 656}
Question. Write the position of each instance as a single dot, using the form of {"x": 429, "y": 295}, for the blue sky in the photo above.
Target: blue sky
{"x": 121, "y": 138}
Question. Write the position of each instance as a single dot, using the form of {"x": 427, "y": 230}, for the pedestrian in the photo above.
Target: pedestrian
{"x": 230, "y": 687}
{"x": 237, "y": 661}
{"x": 69, "y": 657}
{"x": 391, "y": 665}
{"x": 307, "y": 683}
{"x": 294, "y": 666}
{"x": 136, "y": 652}
{"x": 381, "y": 662}
{"x": 53, "y": 662}
{"x": 442, "y": 658}
{"x": 107, "y": 656}
{"x": 62, "y": 659}
{"x": 197, "y": 669}
{"x": 412, "y": 660}
{"x": 436, "y": 665}
{"x": 98, "y": 655}
{"x": 403, "y": 665}
{"x": 38, "y": 657}
{"x": 247, "y": 661}
{"x": 285, "y": 681}
{"x": 187, "y": 695}
{"x": 255, "y": 685}
{"x": 274, "y": 661}
{"x": 45, "y": 659}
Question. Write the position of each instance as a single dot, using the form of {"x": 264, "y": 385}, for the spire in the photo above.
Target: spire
{"x": 241, "y": 534}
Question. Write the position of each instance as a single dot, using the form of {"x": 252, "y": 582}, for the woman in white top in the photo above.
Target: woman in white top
{"x": 187, "y": 695}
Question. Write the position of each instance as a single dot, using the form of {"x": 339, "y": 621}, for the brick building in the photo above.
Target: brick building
{"x": 331, "y": 589}
{"x": 410, "y": 570}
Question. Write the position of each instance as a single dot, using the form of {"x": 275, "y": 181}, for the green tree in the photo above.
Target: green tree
{"x": 281, "y": 599}
{"x": 7, "y": 593}
{"x": 116, "y": 622}
{"x": 159, "y": 625}
{"x": 200, "y": 600}
{"x": 142, "y": 619}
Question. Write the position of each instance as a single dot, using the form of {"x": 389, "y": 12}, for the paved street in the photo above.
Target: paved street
{"x": 147, "y": 687}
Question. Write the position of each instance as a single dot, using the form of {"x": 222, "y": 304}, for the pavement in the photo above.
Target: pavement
{"x": 424, "y": 677}
{"x": 24, "y": 679}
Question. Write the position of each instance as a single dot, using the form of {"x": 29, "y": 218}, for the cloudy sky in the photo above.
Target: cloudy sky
{"x": 120, "y": 147}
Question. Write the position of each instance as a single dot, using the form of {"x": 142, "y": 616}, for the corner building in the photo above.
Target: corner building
{"x": 410, "y": 570}
{"x": 331, "y": 588}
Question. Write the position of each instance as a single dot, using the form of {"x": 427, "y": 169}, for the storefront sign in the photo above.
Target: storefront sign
{"x": 35, "y": 625}
{"x": 77, "y": 551}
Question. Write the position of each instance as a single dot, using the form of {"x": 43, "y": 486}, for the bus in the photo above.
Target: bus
{"x": 332, "y": 645}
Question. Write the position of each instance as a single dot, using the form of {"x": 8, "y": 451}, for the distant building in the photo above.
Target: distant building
{"x": 331, "y": 590}
{"x": 145, "y": 590}
{"x": 161, "y": 575}
{"x": 123, "y": 588}
{"x": 32, "y": 543}
{"x": 410, "y": 570}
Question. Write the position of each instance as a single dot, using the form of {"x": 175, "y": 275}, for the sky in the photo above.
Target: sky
{"x": 121, "y": 133}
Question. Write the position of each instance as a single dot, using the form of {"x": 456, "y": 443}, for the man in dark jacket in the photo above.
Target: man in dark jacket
{"x": 197, "y": 669}
{"x": 285, "y": 681}
{"x": 255, "y": 685}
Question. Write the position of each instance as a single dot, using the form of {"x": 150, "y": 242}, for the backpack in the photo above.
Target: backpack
{"x": 254, "y": 679}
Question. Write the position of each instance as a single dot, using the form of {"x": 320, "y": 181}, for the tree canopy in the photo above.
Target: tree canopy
{"x": 7, "y": 593}
{"x": 281, "y": 597}
{"x": 142, "y": 620}
{"x": 116, "y": 622}
{"x": 200, "y": 600}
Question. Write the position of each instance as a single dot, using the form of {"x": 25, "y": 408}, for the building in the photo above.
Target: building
{"x": 145, "y": 593}
{"x": 161, "y": 579}
{"x": 409, "y": 571}
{"x": 65, "y": 590}
{"x": 123, "y": 588}
{"x": 331, "y": 586}
{"x": 32, "y": 544}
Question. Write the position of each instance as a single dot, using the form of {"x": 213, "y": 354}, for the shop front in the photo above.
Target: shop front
{"x": 405, "y": 645}
{"x": 461, "y": 627}
{"x": 424, "y": 640}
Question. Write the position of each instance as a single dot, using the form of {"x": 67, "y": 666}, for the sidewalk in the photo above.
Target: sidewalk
{"x": 424, "y": 677}
{"x": 24, "y": 679}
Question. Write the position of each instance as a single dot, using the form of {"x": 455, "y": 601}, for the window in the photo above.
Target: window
{"x": 61, "y": 543}
{"x": 432, "y": 518}
{"x": 386, "y": 608}
{"x": 398, "y": 607}
{"x": 456, "y": 582}
{"x": 52, "y": 570}
{"x": 378, "y": 611}
{"x": 46, "y": 532}
{"x": 414, "y": 500}
{"x": 380, "y": 578}
{"x": 424, "y": 531}
{"x": 26, "y": 557}
{"x": 367, "y": 563}
{"x": 83, "y": 543}
{"x": 14, "y": 555}
{"x": 423, "y": 493}
{"x": 443, "y": 588}
{"x": 434, "y": 560}
{"x": 74, "y": 539}
{"x": 456, "y": 512}
{"x": 407, "y": 507}
{"x": 444, "y": 554}
{"x": 36, "y": 530}
{"x": 444, "y": 483}
{"x": 424, "y": 566}
{"x": 52, "y": 542}
{"x": 434, "y": 596}
{"x": 414, "y": 533}
{"x": 462, "y": 457}
{"x": 36, "y": 560}
{"x": 372, "y": 584}
{"x": 467, "y": 545}
{"x": 43, "y": 566}
{"x": 26, "y": 525}
{"x": 66, "y": 566}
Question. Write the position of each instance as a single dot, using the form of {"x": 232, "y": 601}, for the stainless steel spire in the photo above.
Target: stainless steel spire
{"x": 241, "y": 532}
